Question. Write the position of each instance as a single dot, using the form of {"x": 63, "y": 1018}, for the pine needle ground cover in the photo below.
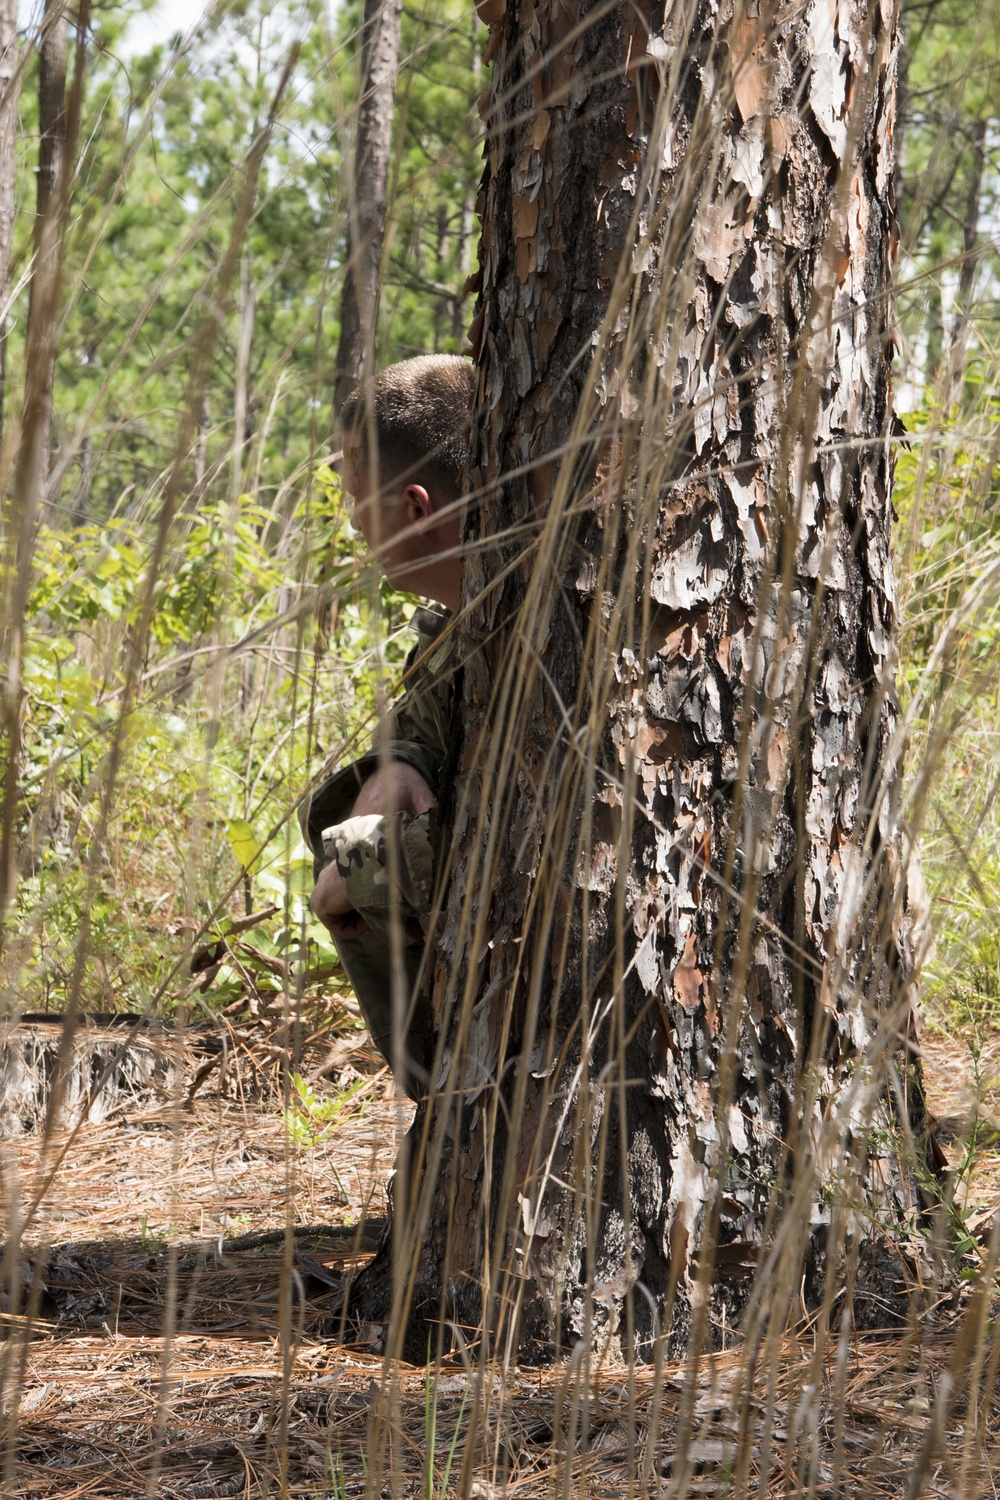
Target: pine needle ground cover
{"x": 144, "y": 1227}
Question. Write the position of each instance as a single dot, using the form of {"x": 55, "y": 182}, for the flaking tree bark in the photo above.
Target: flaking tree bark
{"x": 674, "y": 1086}
{"x": 367, "y": 195}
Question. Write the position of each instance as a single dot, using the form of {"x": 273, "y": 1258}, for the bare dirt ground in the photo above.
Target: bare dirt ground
{"x": 165, "y": 1344}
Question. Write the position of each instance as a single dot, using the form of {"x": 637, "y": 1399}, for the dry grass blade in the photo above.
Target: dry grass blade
{"x": 674, "y": 1219}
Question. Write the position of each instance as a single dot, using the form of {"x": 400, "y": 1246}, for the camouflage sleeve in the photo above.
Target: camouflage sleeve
{"x": 363, "y": 851}
{"x": 422, "y": 716}
{"x": 416, "y": 731}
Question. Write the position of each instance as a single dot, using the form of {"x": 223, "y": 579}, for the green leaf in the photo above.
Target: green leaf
{"x": 242, "y": 841}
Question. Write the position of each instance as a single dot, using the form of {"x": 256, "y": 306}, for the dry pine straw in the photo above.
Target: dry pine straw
{"x": 251, "y": 1396}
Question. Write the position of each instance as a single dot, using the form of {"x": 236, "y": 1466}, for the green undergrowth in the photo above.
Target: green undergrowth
{"x": 311, "y": 1118}
{"x": 948, "y": 568}
{"x": 162, "y": 758}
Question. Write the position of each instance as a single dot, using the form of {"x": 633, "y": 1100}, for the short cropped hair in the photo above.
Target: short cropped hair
{"x": 420, "y": 412}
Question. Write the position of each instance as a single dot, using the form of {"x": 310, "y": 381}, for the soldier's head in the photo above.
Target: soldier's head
{"x": 405, "y": 439}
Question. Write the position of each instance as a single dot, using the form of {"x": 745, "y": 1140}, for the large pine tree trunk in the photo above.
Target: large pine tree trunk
{"x": 674, "y": 1077}
{"x": 367, "y": 196}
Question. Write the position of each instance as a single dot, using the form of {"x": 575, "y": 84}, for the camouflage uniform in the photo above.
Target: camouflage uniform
{"x": 387, "y": 863}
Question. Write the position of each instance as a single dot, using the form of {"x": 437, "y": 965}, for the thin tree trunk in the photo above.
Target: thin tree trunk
{"x": 59, "y": 131}
{"x": 674, "y": 959}
{"x": 367, "y": 198}
{"x": 81, "y": 500}
{"x": 43, "y": 304}
{"x": 10, "y": 89}
{"x": 967, "y": 273}
{"x": 464, "y": 242}
{"x": 242, "y": 415}
{"x": 467, "y": 222}
{"x": 935, "y": 336}
{"x": 242, "y": 438}
{"x": 440, "y": 248}
{"x": 201, "y": 446}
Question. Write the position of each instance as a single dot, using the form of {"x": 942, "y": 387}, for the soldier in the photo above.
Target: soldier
{"x": 370, "y": 826}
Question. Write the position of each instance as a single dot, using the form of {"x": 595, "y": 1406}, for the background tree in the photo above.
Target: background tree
{"x": 34, "y": 438}
{"x": 10, "y": 88}
{"x": 367, "y": 196}
{"x": 673, "y": 991}
{"x": 949, "y": 183}
{"x": 55, "y": 169}
{"x": 949, "y": 173}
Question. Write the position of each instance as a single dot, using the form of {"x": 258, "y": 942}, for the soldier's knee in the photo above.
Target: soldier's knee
{"x": 347, "y": 925}
{"x": 331, "y": 904}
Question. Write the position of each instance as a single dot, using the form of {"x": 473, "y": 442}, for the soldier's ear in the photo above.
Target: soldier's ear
{"x": 417, "y": 504}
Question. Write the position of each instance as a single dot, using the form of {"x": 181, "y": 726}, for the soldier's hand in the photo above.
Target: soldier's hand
{"x": 396, "y": 788}
{"x": 392, "y": 789}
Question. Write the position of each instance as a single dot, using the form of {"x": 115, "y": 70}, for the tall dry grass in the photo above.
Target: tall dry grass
{"x": 158, "y": 770}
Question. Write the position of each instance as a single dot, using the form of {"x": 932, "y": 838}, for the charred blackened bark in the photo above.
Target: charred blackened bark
{"x": 367, "y": 198}
{"x": 673, "y": 1077}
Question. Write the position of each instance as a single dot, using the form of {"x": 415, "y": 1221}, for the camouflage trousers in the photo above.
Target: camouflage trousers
{"x": 387, "y": 866}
